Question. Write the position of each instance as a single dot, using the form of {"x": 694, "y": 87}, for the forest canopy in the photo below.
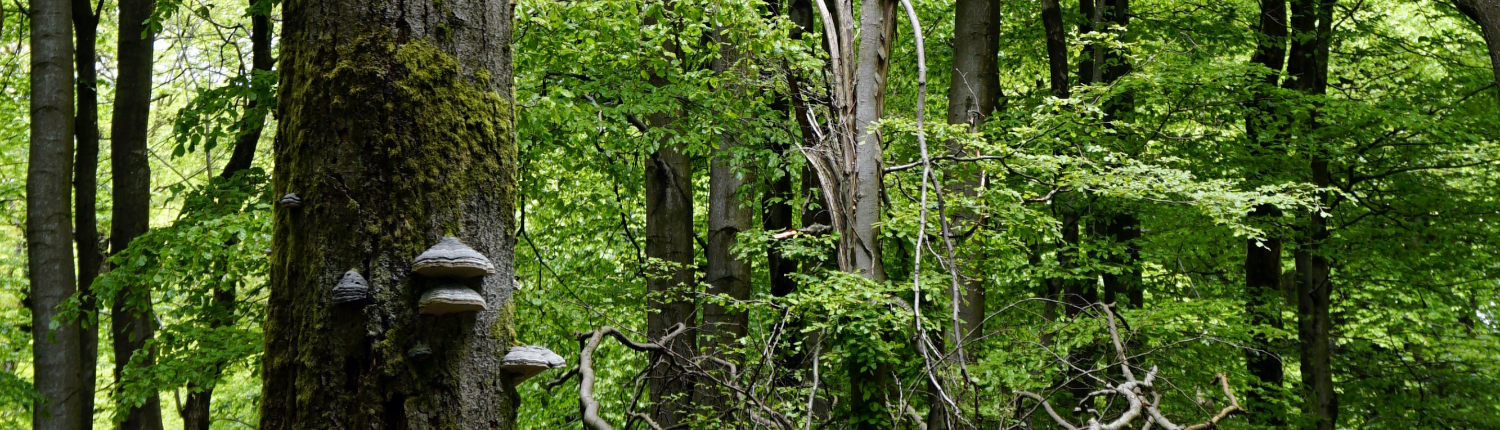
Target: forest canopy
{"x": 788, "y": 214}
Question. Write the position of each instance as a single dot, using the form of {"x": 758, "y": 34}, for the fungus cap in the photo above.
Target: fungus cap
{"x": 451, "y": 258}
{"x": 450, "y": 298}
{"x": 524, "y": 362}
{"x": 291, "y": 200}
{"x": 352, "y": 288}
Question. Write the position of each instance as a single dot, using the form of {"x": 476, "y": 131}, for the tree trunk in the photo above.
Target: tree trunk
{"x": 669, "y": 241}
{"x": 196, "y": 410}
{"x": 973, "y": 93}
{"x": 1057, "y": 48}
{"x": 1119, "y": 226}
{"x": 395, "y": 129}
{"x": 86, "y": 185}
{"x": 55, "y": 351}
{"x": 132, "y": 322}
{"x": 861, "y": 243}
{"x": 1308, "y": 65}
{"x": 260, "y": 61}
{"x": 877, "y": 26}
{"x": 729, "y": 213}
{"x": 1263, "y": 271}
{"x": 1486, "y": 13}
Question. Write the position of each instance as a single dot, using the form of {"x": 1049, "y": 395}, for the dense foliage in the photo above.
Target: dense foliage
{"x": 1409, "y": 128}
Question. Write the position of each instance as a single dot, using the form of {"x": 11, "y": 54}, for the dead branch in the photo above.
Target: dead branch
{"x": 1133, "y": 391}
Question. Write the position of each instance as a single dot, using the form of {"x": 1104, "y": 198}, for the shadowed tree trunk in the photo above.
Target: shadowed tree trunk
{"x": 55, "y": 351}
{"x": 196, "y": 410}
{"x": 1307, "y": 65}
{"x": 1486, "y": 13}
{"x": 395, "y": 129}
{"x": 973, "y": 93}
{"x": 86, "y": 185}
{"x": 132, "y": 322}
{"x": 669, "y": 242}
{"x": 1119, "y": 226}
{"x": 1263, "y": 272}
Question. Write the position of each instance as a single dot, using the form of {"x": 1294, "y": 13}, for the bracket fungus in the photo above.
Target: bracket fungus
{"x": 291, "y": 200}
{"x": 524, "y": 362}
{"x": 352, "y": 288}
{"x": 450, "y": 298}
{"x": 451, "y": 258}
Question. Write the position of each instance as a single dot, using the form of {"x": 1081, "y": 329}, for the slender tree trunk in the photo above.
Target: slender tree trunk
{"x": 1057, "y": 48}
{"x": 861, "y": 243}
{"x": 55, "y": 351}
{"x": 196, "y": 410}
{"x": 729, "y": 213}
{"x": 877, "y": 26}
{"x": 1263, "y": 271}
{"x": 1486, "y": 13}
{"x": 132, "y": 322}
{"x": 86, "y": 185}
{"x": 973, "y": 93}
{"x": 254, "y": 120}
{"x": 395, "y": 129}
{"x": 1311, "y": 22}
{"x": 1119, "y": 226}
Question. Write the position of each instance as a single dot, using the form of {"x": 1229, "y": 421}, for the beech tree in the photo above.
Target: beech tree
{"x": 395, "y": 130}
{"x": 56, "y": 341}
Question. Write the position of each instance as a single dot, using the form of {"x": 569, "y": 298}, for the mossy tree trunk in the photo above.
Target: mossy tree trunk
{"x": 395, "y": 129}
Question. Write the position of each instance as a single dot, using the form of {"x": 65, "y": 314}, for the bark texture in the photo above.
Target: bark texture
{"x": 86, "y": 187}
{"x": 132, "y": 321}
{"x": 395, "y": 128}
{"x": 55, "y": 352}
{"x": 1486, "y": 14}
{"x": 729, "y": 214}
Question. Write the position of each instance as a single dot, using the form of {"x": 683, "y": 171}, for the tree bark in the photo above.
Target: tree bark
{"x": 86, "y": 185}
{"x": 55, "y": 351}
{"x": 973, "y": 93}
{"x": 395, "y": 129}
{"x": 1308, "y": 66}
{"x": 729, "y": 213}
{"x": 860, "y": 244}
{"x": 196, "y": 410}
{"x": 132, "y": 321}
{"x": 877, "y": 27}
{"x": 1057, "y": 48}
{"x": 669, "y": 241}
{"x": 253, "y": 122}
{"x": 1486, "y": 14}
{"x": 1263, "y": 271}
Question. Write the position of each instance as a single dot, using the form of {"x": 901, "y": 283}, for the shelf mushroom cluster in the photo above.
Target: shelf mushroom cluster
{"x": 451, "y": 262}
